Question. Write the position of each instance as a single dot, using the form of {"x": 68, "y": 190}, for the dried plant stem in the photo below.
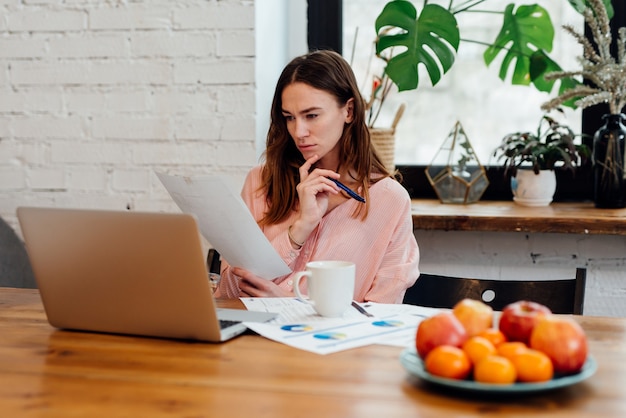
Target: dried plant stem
{"x": 606, "y": 73}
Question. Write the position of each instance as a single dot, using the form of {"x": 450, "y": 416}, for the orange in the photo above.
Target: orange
{"x": 448, "y": 361}
{"x": 533, "y": 366}
{"x": 477, "y": 348}
{"x": 511, "y": 348}
{"x": 495, "y": 369}
{"x": 494, "y": 335}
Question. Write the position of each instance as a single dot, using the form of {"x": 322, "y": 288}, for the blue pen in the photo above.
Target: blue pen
{"x": 347, "y": 190}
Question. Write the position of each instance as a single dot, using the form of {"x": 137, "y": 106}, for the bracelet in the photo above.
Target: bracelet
{"x": 292, "y": 239}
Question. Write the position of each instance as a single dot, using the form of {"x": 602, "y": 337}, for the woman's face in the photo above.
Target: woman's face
{"x": 315, "y": 121}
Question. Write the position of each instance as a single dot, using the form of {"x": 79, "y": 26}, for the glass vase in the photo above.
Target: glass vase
{"x": 609, "y": 187}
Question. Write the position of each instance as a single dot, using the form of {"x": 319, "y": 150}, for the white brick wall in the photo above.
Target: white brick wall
{"x": 95, "y": 96}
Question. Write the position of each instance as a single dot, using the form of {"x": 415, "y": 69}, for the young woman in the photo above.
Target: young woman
{"x": 318, "y": 134}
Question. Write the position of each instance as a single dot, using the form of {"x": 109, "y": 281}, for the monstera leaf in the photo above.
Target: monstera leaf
{"x": 580, "y": 6}
{"x": 541, "y": 64}
{"x": 431, "y": 39}
{"x": 527, "y": 30}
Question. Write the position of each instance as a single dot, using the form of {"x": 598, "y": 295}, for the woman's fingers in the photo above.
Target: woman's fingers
{"x": 251, "y": 285}
{"x": 306, "y": 173}
{"x": 306, "y": 167}
{"x": 316, "y": 181}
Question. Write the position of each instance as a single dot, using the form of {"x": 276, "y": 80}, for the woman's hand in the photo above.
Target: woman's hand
{"x": 254, "y": 286}
{"x": 313, "y": 193}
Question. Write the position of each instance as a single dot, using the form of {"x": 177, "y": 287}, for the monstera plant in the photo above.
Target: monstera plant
{"x": 431, "y": 38}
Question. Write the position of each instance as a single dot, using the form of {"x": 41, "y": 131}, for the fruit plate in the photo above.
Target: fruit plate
{"x": 414, "y": 365}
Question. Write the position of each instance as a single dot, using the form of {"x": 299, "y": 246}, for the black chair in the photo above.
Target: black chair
{"x": 15, "y": 268}
{"x": 561, "y": 296}
{"x": 213, "y": 261}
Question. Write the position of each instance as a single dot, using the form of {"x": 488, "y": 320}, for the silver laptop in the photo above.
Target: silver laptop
{"x": 127, "y": 273}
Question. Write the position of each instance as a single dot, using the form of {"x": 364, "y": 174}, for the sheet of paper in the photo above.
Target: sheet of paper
{"x": 225, "y": 221}
{"x": 299, "y": 326}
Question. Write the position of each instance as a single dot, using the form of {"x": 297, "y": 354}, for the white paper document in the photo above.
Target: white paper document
{"x": 225, "y": 221}
{"x": 299, "y": 326}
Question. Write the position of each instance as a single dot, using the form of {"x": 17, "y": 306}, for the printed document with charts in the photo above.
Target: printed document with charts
{"x": 298, "y": 325}
{"x": 225, "y": 221}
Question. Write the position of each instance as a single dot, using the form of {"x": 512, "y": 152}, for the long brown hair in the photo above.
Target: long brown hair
{"x": 328, "y": 71}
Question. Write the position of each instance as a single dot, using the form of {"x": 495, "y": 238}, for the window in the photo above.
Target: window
{"x": 487, "y": 107}
{"x": 470, "y": 92}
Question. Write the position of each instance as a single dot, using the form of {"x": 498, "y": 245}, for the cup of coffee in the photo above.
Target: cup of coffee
{"x": 330, "y": 286}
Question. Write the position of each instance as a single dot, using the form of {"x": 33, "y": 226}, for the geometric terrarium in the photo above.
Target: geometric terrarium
{"x": 455, "y": 173}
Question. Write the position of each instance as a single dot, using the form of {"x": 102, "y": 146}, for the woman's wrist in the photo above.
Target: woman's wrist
{"x": 299, "y": 232}
{"x": 293, "y": 241}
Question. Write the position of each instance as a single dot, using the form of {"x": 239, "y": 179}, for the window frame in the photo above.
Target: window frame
{"x": 324, "y": 29}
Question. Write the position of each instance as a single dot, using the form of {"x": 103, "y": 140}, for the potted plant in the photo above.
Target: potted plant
{"x": 531, "y": 158}
{"x": 383, "y": 138}
{"x": 606, "y": 83}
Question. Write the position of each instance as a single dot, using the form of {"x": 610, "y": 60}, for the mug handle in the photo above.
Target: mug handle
{"x": 296, "y": 285}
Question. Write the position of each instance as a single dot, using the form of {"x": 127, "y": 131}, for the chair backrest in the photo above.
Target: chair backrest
{"x": 15, "y": 268}
{"x": 213, "y": 261}
{"x": 561, "y": 296}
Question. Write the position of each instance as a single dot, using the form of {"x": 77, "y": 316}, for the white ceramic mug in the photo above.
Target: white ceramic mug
{"x": 330, "y": 285}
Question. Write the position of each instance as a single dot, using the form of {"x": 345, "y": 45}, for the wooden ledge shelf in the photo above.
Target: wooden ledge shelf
{"x": 507, "y": 216}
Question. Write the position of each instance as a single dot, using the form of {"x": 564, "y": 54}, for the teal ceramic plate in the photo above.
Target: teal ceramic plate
{"x": 414, "y": 365}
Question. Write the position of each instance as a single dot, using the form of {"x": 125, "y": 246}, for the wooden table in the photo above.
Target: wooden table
{"x": 507, "y": 216}
{"x": 51, "y": 373}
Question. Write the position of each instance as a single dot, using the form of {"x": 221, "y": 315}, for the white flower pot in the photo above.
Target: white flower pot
{"x": 530, "y": 189}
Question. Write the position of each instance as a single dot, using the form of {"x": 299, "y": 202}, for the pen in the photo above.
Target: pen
{"x": 361, "y": 309}
{"x": 347, "y": 190}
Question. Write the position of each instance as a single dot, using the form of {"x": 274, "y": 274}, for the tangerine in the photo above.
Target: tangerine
{"x": 495, "y": 369}
{"x": 478, "y": 348}
{"x": 448, "y": 361}
{"x": 533, "y": 366}
{"x": 494, "y": 335}
{"x": 511, "y": 348}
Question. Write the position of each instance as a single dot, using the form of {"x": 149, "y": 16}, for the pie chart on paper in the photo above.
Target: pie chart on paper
{"x": 297, "y": 328}
{"x": 330, "y": 336}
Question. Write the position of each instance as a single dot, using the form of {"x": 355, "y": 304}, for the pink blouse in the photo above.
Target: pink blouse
{"x": 382, "y": 246}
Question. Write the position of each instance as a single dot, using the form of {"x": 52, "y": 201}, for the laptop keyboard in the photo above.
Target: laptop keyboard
{"x": 224, "y": 323}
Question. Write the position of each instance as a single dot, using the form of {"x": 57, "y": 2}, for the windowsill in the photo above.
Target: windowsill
{"x": 507, "y": 216}
{"x": 572, "y": 186}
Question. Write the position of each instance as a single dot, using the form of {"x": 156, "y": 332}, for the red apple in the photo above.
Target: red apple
{"x": 442, "y": 328}
{"x": 475, "y": 315}
{"x": 563, "y": 340}
{"x": 519, "y": 318}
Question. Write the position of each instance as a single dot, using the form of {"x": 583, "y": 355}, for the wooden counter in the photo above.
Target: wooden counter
{"x": 507, "y": 216}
